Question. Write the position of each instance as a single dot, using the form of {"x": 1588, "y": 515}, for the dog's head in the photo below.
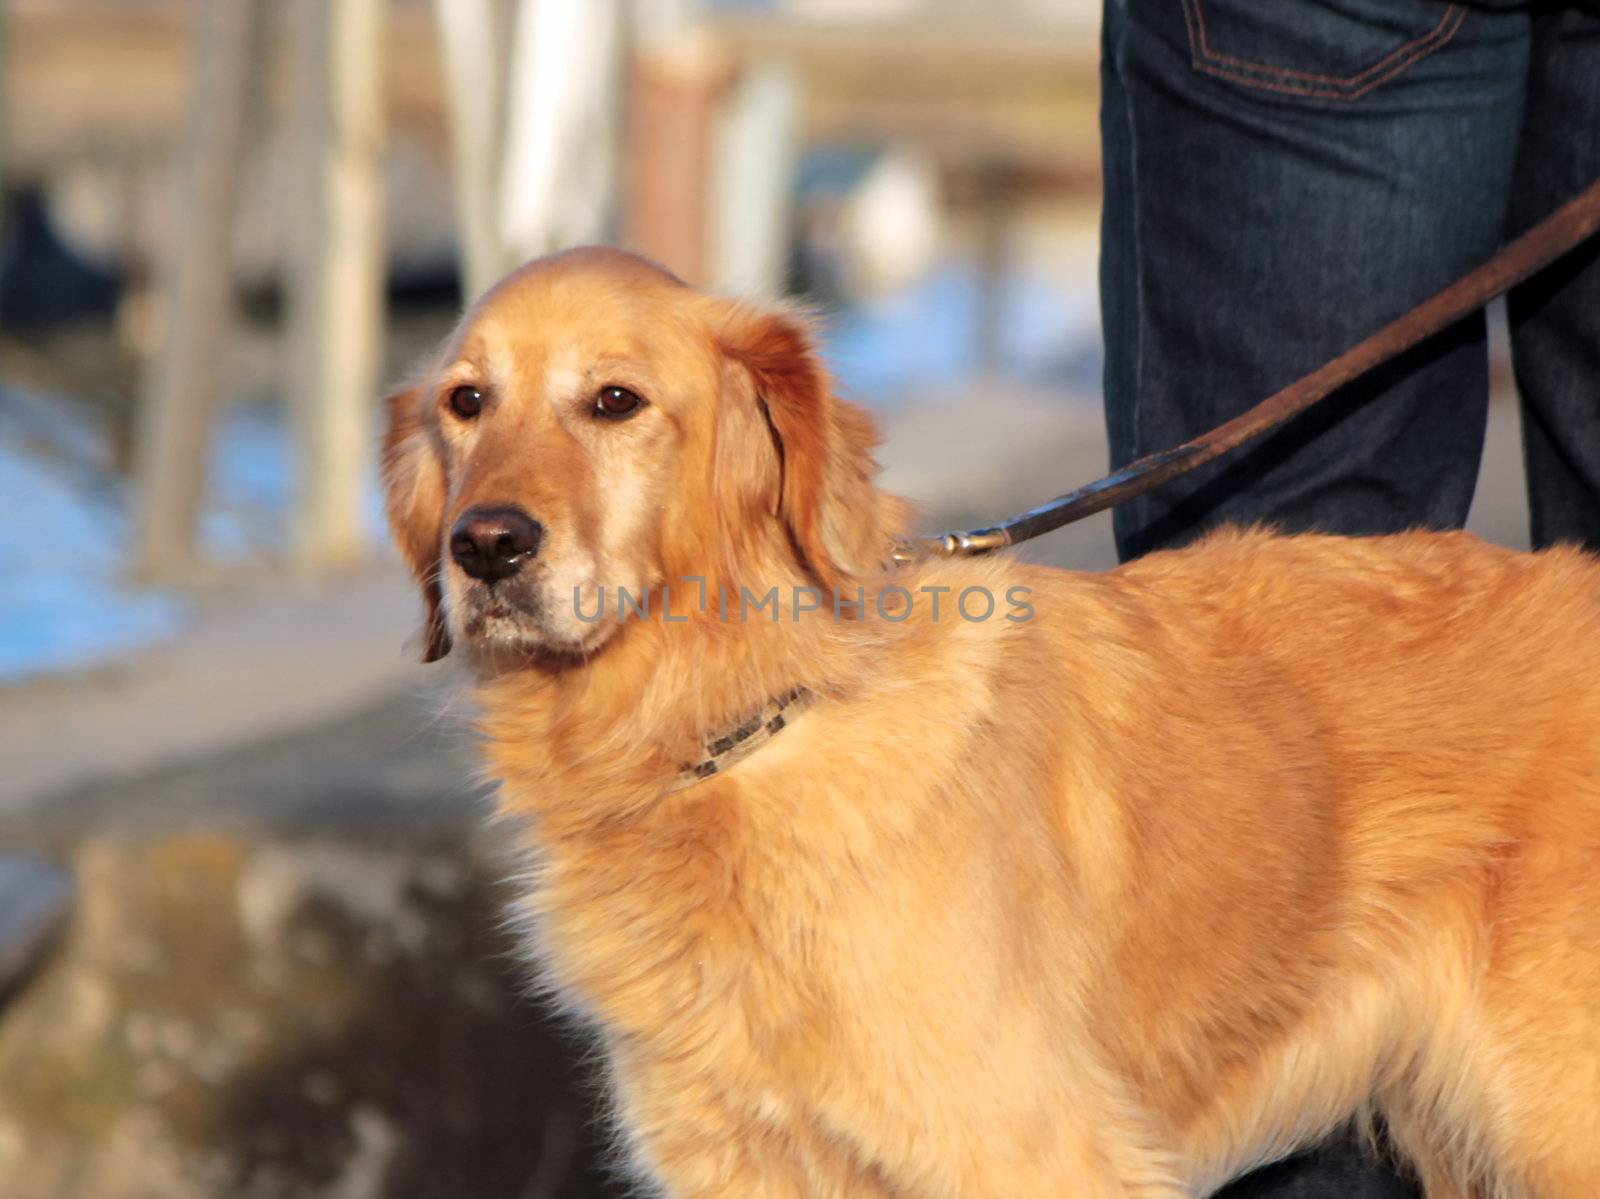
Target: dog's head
{"x": 595, "y": 423}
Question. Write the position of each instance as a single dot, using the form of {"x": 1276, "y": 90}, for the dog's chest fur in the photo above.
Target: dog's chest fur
{"x": 809, "y": 953}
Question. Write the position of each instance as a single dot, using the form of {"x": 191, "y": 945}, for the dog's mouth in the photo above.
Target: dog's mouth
{"x": 491, "y": 618}
{"x": 505, "y": 610}
{"x": 517, "y": 616}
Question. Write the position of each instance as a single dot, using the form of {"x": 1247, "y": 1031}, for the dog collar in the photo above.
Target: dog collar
{"x": 749, "y": 735}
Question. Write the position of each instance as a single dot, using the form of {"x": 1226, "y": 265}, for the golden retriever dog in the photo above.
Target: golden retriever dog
{"x": 1077, "y": 885}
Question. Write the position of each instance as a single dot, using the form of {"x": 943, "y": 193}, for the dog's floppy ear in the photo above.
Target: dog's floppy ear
{"x": 414, "y": 497}
{"x": 839, "y": 522}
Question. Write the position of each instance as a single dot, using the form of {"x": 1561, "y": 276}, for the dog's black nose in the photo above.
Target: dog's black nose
{"x": 492, "y": 543}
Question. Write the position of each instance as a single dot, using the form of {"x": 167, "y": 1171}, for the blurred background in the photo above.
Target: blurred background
{"x": 225, "y": 226}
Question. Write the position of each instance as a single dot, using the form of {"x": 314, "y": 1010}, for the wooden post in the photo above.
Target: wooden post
{"x": 473, "y": 40}
{"x": 559, "y": 174}
{"x": 175, "y": 414}
{"x": 756, "y": 155}
{"x": 674, "y": 100}
{"x": 996, "y": 189}
{"x": 337, "y": 293}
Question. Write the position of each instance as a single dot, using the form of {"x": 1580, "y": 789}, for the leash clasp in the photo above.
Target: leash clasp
{"x": 967, "y": 544}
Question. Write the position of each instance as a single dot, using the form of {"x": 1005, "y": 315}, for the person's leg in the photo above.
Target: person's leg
{"x": 1555, "y": 317}
{"x": 1281, "y": 180}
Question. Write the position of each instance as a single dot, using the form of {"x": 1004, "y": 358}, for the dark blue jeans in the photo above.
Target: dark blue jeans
{"x": 1283, "y": 177}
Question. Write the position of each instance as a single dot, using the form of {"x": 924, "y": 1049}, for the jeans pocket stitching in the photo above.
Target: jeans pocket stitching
{"x": 1349, "y": 87}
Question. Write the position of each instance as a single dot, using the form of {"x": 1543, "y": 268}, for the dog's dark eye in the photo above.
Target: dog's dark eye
{"x": 616, "y": 403}
{"x": 465, "y": 402}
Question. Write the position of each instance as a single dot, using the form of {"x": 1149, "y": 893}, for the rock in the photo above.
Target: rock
{"x": 261, "y": 1015}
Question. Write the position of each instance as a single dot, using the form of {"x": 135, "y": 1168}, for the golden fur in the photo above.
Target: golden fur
{"x": 1215, "y": 852}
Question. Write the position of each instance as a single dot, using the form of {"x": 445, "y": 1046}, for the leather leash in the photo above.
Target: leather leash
{"x": 1564, "y": 230}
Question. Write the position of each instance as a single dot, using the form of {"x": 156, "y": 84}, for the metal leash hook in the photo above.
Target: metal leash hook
{"x": 949, "y": 545}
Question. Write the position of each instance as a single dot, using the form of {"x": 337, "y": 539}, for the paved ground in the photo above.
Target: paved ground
{"x": 256, "y": 663}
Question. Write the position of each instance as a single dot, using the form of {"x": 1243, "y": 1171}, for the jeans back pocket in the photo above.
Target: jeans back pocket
{"x": 1325, "y": 49}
